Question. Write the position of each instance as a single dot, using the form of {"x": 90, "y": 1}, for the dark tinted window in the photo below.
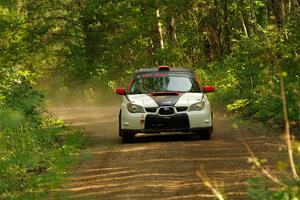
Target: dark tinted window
{"x": 167, "y": 83}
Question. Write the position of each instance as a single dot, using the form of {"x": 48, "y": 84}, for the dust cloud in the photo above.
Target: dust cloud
{"x": 81, "y": 96}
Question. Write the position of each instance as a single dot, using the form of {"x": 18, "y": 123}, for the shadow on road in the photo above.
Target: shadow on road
{"x": 165, "y": 137}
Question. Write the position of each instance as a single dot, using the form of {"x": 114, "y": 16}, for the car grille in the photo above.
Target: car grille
{"x": 166, "y": 110}
{"x": 151, "y": 110}
{"x": 167, "y": 123}
{"x": 181, "y": 109}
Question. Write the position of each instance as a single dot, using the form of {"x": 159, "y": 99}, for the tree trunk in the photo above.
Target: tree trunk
{"x": 245, "y": 19}
{"x": 226, "y": 29}
{"x": 282, "y": 11}
{"x": 160, "y": 30}
{"x": 269, "y": 10}
{"x": 253, "y": 17}
{"x": 173, "y": 26}
{"x": 244, "y": 26}
{"x": 171, "y": 31}
{"x": 278, "y": 10}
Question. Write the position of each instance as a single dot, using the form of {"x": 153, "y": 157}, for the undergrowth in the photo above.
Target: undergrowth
{"x": 35, "y": 147}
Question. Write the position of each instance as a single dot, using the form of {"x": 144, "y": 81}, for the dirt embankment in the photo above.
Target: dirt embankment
{"x": 160, "y": 166}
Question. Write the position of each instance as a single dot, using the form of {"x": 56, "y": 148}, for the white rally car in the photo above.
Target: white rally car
{"x": 165, "y": 99}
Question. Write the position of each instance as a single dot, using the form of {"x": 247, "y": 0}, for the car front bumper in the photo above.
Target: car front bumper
{"x": 155, "y": 123}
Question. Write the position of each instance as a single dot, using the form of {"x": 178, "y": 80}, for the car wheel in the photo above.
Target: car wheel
{"x": 206, "y": 134}
{"x": 120, "y": 128}
{"x": 212, "y": 123}
{"x": 127, "y": 137}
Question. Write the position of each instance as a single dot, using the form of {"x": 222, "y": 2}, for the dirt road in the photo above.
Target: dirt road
{"x": 160, "y": 166}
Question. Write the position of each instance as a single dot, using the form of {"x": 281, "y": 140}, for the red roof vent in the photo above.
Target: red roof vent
{"x": 164, "y": 67}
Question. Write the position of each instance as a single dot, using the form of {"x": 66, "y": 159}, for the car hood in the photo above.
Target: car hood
{"x": 184, "y": 99}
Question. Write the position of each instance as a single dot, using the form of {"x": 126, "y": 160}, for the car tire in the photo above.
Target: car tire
{"x": 127, "y": 137}
{"x": 212, "y": 123}
{"x": 206, "y": 134}
{"x": 120, "y": 128}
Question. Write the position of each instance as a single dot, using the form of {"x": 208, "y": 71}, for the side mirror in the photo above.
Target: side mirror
{"x": 208, "y": 89}
{"x": 121, "y": 91}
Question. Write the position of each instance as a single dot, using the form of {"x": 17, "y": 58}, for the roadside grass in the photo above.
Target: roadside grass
{"x": 36, "y": 157}
{"x": 84, "y": 154}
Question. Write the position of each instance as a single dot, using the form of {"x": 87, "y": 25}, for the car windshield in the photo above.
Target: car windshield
{"x": 154, "y": 83}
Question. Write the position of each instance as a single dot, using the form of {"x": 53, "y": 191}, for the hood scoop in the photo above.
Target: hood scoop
{"x": 165, "y": 98}
{"x": 164, "y": 94}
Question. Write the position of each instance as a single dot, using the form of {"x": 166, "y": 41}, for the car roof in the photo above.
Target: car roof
{"x": 163, "y": 69}
{"x": 157, "y": 69}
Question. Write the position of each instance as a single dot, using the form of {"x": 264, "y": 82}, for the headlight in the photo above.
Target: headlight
{"x": 135, "y": 108}
{"x": 197, "y": 106}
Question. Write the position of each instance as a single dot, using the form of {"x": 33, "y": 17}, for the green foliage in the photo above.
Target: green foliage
{"x": 10, "y": 119}
{"x": 18, "y": 93}
{"x": 35, "y": 148}
{"x": 249, "y": 78}
{"x": 87, "y": 48}
{"x": 260, "y": 189}
{"x": 239, "y": 104}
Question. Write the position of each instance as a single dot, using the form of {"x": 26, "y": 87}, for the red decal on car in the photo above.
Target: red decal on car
{"x": 142, "y": 122}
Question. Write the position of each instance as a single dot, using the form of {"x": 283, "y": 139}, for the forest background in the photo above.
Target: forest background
{"x": 53, "y": 52}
